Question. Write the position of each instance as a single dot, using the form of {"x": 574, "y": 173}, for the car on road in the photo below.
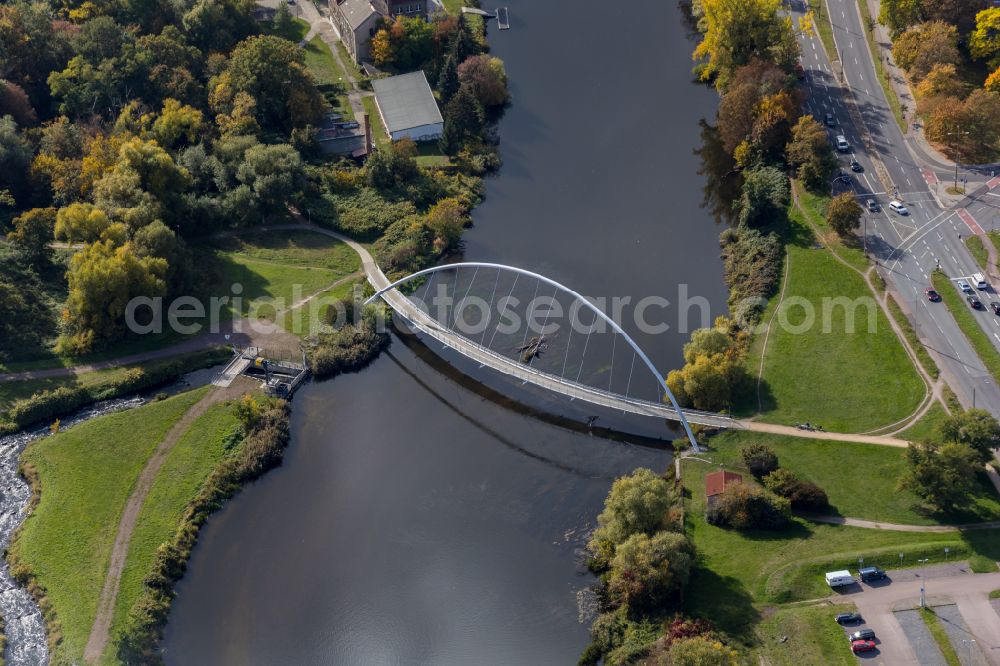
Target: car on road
{"x": 995, "y": 307}
{"x": 844, "y": 178}
{"x": 865, "y": 634}
{"x": 863, "y": 646}
{"x": 964, "y": 286}
{"x": 979, "y": 281}
{"x": 856, "y": 166}
{"x": 872, "y": 573}
{"x": 848, "y": 618}
{"x": 842, "y": 144}
{"x": 897, "y": 207}
{"x": 800, "y": 71}
{"x": 872, "y": 206}
{"x": 974, "y": 302}
{"x": 830, "y": 120}
{"x": 932, "y": 295}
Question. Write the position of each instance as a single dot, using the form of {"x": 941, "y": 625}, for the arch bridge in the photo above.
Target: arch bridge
{"x": 521, "y": 367}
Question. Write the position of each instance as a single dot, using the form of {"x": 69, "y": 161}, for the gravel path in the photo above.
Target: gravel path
{"x": 961, "y": 639}
{"x": 920, "y": 638}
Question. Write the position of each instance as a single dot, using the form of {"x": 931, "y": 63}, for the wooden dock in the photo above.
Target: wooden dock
{"x": 503, "y": 20}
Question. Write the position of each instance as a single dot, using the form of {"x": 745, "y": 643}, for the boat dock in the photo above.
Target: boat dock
{"x": 278, "y": 378}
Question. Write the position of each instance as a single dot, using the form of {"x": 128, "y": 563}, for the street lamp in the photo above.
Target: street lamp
{"x": 923, "y": 600}
{"x": 957, "y": 132}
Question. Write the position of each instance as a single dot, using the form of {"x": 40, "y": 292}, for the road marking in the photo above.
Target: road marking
{"x": 970, "y": 221}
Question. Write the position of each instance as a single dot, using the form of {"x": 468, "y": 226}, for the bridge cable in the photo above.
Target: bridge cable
{"x": 526, "y": 327}
{"x": 497, "y": 327}
{"x": 628, "y": 387}
{"x": 545, "y": 322}
{"x": 454, "y": 314}
{"x": 584, "y": 355}
{"x": 492, "y": 298}
{"x": 611, "y": 373}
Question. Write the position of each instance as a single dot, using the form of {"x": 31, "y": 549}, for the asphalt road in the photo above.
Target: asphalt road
{"x": 907, "y": 248}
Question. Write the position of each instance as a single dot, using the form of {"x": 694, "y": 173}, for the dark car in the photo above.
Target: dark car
{"x": 848, "y": 618}
{"x": 830, "y": 121}
{"x": 863, "y": 635}
{"x": 974, "y": 302}
{"x": 863, "y": 646}
{"x": 844, "y": 177}
{"x": 800, "y": 71}
{"x": 932, "y": 295}
{"x": 995, "y": 307}
{"x": 872, "y": 206}
{"x": 856, "y": 166}
{"x": 874, "y": 573}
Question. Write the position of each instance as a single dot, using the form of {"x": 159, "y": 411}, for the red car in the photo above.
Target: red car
{"x": 862, "y": 646}
{"x": 932, "y": 295}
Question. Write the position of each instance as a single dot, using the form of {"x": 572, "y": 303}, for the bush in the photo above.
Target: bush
{"x": 365, "y": 214}
{"x": 802, "y": 495}
{"x": 645, "y": 570}
{"x": 759, "y": 459}
{"x": 747, "y": 506}
{"x": 752, "y": 270}
{"x": 640, "y": 503}
{"x": 702, "y": 651}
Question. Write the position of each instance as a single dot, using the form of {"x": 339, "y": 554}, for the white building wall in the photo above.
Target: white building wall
{"x": 422, "y": 133}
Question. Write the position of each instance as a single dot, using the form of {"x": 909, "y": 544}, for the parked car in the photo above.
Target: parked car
{"x": 863, "y": 646}
{"x": 830, "y": 120}
{"x": 856, "y": 166}
{"x": 979, "y": 281}
{"x": 839, "y": 578}
{"x": 871, "y": 573}
{"x": 842, "y": 144}
{"x": 995, "y": 307}
{"x": 932, "y": 295}
{"x": 865, "y": 634}
{"x": 848, "y": 618}
{"x": 974, "y": 302}
{"x": 898, "y": 207}
{"x": 872, "y": 206}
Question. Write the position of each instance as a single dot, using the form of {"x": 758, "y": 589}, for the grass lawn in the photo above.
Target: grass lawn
{"x": 296, "y": 32}
{"x": 739, "y": 571}
{"x": 924, "y": 356}
{"x": 966, "y": 319}
{"x": 122, "y": 348}
{"x": 379, "y": 135}
{"x": 926, "y": 427}
{"x": 995, "y": 594}
{"x": 308, "y": 318}
{"x": 812, "y": 636}
{"x": 868, "y": 492}
{"x": 183, "y": 472}
{"x": 934, "y": 625}
{"x": 327, "y": 72}
{"x": 823, "y": 372}
{"x": 429, "y": 154}
{"x": 293, "y": 248}
{"x": 813, "y": 212}
{"x": 86, "y": 475}
{"x": 977, "y": 250}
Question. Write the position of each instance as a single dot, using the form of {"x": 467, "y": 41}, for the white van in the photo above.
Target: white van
{"x": 839, "y": 578}
{"x": 979, "y": 281}
{"x": 842, "y": 144}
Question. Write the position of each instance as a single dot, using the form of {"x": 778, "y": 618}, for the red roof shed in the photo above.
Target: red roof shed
{"x": 716, "y": 482}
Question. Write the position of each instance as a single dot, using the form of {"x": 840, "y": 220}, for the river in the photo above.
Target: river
{"x": 417, "y": 519}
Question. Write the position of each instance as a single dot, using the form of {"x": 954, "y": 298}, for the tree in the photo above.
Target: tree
{"x": 240, "y": 119}
{"x": 15, "y": 159}
{"x": 802, "y": 495}
{"x": 386, "y": 169}
{"x": 31, "y": 236}
{"x": 103, "y": 277}
{"x": 921, "y": 47}
{"x": 272, "y": 71}
{"x": 898, "y": 15}
{"x": 810, "y": 154}
{"x": 14, "y": 102}
{"x": 25, "y": 320}
{"x": 218, "y": 24}
{"x": 447, "y": 219}
{"x": 737, "y": 31}
{"x": 640, "y": 503}
{"x": 975, "y": 428}
{"x": 759, "y": 459}
{"x": 80, "y": 223}
{"x": 765, "y": 197}
{"x": 486, "y": 78}
{"x": 984, "y": 41}
{"x": 156, "y": 240}
{"x": 647, "y": 569}
{"x": 713, "y": 369}
{"x": 448, "y": 82}
{"x": 31, "y": 46}
{"x": 702, "y": 651}
{"x": 463, "y": 119}
{"x": 177, "y": 123}
{"x": 381, "y": 48}
{"x": 942, "y": 80}
{"x": 144, "y": 184}
{"x": 274, "y": 173}
{"x": 843, "y": 214}
{"x": 745, "y": 506}
{"x": 943, "y": 475}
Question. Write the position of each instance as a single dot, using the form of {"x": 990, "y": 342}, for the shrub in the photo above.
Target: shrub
{"x": 747, "y": 506}
{"x": 349, "y": 348}
{"x": 759, "y": 459}
{"x": 646, "y": 569}
{"x": 641, "y": 503}
{"x": 701, "y": 651}
{"x": 802, "y": 495}
{"x": 752, "y": 270}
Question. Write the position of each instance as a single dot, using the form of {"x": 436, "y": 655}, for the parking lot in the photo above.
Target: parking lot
{"x": 960, "y": 599}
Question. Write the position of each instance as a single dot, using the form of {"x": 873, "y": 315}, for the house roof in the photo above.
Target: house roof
{"x": 357, "y": 12}
{"x": 406, "y": 101}
{"x": 716, "y": 482}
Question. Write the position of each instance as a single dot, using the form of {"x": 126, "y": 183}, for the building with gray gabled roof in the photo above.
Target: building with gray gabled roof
{"x": 407, "y": 107}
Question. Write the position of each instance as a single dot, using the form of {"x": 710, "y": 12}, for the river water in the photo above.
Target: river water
{"x": 418, "y": 518}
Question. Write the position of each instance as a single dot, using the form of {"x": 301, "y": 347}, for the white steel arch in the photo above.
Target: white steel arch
{"x": 597, "y": 311}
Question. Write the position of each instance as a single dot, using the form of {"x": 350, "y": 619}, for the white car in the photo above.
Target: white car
{"x": 964, "y": 286}
{"x": 842, "y": 144}
{"x": 898, "y": 207}
{"x": 979, "y": 280}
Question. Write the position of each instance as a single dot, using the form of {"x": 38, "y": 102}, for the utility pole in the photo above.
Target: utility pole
{"x": 865, "y": 237}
